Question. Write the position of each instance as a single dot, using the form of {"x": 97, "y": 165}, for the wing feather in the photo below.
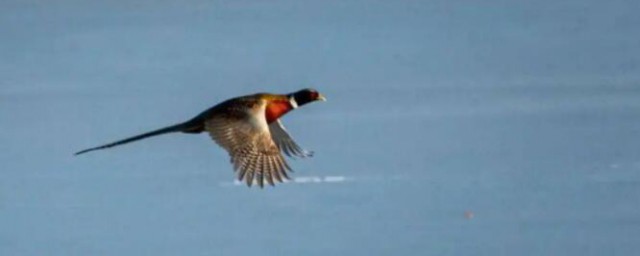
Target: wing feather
{"x": 260, "y": 170}
{"x": 246, "y": 136}
{"x": 269, "y": 171}
{"x": 285, "y": 142}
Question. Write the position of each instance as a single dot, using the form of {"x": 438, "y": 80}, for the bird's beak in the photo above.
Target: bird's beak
{"x": 321, "y": 97}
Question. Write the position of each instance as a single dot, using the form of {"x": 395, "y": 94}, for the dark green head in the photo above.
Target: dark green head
{"x": 305, "y": 96}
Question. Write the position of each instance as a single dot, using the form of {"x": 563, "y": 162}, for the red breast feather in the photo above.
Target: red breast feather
{"x": 277, "y": 108}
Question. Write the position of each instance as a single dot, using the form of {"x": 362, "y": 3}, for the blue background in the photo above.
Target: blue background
{"x": 524, "y": 113}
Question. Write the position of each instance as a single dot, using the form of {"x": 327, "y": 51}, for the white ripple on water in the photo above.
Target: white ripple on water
{"x": 325, "y": 179}
{"x": 304, "y": 179}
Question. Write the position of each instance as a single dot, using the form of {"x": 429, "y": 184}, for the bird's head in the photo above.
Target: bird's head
{"x": 305, "y": 96}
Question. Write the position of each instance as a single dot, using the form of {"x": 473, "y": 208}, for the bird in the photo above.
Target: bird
{"x": 250, "y": 130}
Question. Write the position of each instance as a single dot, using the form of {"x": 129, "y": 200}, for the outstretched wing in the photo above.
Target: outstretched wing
{"x": 246, "y": 137}
{"x": 284, "y": 141}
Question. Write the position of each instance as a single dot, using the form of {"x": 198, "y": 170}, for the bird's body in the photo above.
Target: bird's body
{"x": 249, "y": 129}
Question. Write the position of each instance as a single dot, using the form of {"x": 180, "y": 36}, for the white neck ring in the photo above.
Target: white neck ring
{"x": 293, "y": 102}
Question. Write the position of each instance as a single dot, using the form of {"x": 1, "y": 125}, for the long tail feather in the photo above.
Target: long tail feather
{"x": 174, "y": 128}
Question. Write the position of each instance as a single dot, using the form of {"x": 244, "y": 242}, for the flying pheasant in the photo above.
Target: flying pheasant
{"x": 249, "y": 129}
